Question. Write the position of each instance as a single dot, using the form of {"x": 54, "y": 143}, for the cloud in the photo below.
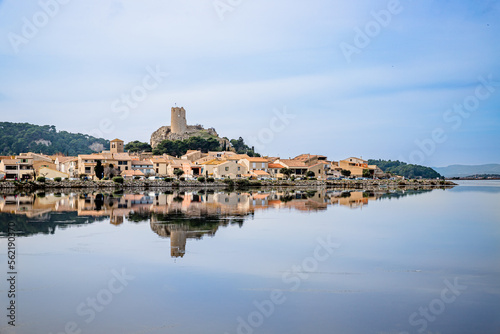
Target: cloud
{"x": 231, "y": 74}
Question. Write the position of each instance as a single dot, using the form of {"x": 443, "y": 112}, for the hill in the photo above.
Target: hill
{"x": 404, "y": 169}
{"x": 16, "y": 138}
{"x": 468, "y": 170}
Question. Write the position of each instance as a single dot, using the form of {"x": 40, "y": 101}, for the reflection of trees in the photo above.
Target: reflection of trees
{"x": 46, "y": 224}
{"x": 403, "y": 193}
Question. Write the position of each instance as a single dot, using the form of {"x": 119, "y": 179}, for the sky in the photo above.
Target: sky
{"x": 417, "y": 81}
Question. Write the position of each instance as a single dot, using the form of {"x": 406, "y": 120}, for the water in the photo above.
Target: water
{"x": 268, "y": 262}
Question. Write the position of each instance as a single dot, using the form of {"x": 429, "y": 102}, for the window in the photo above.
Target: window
{"x": 157, "y": 171}
{"x": 126, "y": 167}
{"x": 87, "y": 170}
{"x": 227, "y": 169}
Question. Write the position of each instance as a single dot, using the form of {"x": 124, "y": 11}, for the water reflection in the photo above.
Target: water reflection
{"x": 179, "y": 215}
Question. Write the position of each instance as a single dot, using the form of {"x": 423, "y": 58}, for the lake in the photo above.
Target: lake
{"x": 309, "y": 261}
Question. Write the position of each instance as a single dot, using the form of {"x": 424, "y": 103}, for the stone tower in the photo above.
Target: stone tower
{"x": 116, "y": 146}
{"x": 179, "y": 122}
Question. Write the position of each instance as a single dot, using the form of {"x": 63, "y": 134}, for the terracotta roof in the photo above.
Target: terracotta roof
{"x": 256, "y": 159}
{"x": 260, "y": 173}
{"x": 308, "y": 156}
{"x": 159, "y": 160}
{"x": 65, "y": 159}
{"x": 91, "y": 157}
{"x": 293, "y": 163}
{"x": 141, "y": 163}
{"x": 10, "y": 161}
{"x": 237, "y": 157}
{"x": 320, "y": 163}
{"x": 132, "y": 173}
{"x": 276, "y": 166}
{"x": 214, "y": 162}
{"x": 355, "y": 159}
{"x": 121, "y": 156}
{"x": 115, "y": 140}
{"x": 260, "y": 196}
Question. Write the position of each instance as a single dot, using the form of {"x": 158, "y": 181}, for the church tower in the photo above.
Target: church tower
{"x": 116, "y": 146}
{"x": 179, "y": 122}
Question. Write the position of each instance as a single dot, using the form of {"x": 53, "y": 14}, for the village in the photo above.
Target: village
{"x": 193, "y": 165}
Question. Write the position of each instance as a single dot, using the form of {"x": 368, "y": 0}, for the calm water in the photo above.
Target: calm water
{"x": 262, "y": 262}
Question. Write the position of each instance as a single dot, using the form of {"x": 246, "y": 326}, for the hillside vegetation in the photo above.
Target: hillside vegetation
{"x": 468, "y": 170}
{"x": 403, "y": 169}
{"x": 16, "y": 138}
{"x": 180, "y": 147}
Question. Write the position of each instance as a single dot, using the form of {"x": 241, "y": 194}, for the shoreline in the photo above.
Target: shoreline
{"x": 219, "y": 185}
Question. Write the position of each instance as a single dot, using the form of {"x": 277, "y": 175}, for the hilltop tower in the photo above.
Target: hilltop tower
{"x": 179, "y": 122}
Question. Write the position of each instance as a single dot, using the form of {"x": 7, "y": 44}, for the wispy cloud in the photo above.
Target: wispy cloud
{"x": 231, "y": 74}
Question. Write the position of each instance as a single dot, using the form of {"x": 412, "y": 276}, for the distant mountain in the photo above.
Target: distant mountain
{"x": 468, "y": 170}
{"x": 404, "y": 169}
{"x": 18, "y": 138}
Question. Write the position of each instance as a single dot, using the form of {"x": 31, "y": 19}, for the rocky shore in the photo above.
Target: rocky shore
{"x": 146, "y": 184}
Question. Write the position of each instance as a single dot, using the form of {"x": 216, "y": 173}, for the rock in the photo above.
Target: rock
{"x": 165, "y": 133}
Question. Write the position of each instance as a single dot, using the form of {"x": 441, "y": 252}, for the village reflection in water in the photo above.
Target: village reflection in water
{"x": 177, "y": 215}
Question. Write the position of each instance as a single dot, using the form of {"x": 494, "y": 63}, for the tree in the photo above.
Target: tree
{"x": 99, "y": 170}
{"x": 345, "y": 172}
{"x": 286, "y": 171}
{"x": 138, "y": 147}
{"x": 178, "y": 172}
{"x": 110, "y": 171}
{"x": 180, "y": 147}
{"x": 16, "y": 138}
{"x": 403, "y": 169}
{"x": 367, "y": 173}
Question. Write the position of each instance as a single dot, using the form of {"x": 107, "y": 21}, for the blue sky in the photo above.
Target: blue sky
{"x": 236, "y": 64}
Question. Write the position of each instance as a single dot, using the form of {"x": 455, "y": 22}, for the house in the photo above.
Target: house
{"x": 11, "y": 169}
{"x": 132, "y": 174}
{"x": 144, "y": 166}
{"x": 260, "y": 174}
{"x": 68, "y": 165}
{"x": 299, "y": 168}
{"x": 190, "y": 169}
{"x": 310, "y": 159}
{"x": 192, "y": 155}
{"x": 275, "y": 170}
{"x": 356, "y": 166}
{"x": 224, "y": 169}
{"x": 221, "y": 154}
{"x": 160, "y": 165}
{"x": 87, "y": 163}
{"x": 51, "y": 173}
{"x": 253, "y": 164}
{"x": 320, "y": 169}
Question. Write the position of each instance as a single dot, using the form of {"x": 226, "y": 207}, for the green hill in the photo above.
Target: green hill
{"x": 468, "y": 170}
{"x": 17, "y": 138}
{"x": 404, "y": 169}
